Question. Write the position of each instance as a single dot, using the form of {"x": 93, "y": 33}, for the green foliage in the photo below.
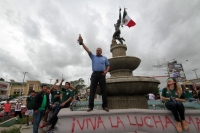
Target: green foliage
{"x": 14, "y": 96}
{"x": 1, "y": 79}
{"x": 78, "y": 84}
{"x": 12, "y": 130}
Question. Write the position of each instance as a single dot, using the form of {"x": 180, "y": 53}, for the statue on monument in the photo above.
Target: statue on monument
{"x": 117, "y": 33}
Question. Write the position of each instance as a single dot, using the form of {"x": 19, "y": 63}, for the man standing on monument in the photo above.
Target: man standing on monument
{"x": 100, "y": 67}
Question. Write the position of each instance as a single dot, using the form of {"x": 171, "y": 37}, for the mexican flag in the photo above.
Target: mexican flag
{"x": 126, "y": 20}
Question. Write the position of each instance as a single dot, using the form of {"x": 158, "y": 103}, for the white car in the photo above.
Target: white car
{"x": 12, "y": 102}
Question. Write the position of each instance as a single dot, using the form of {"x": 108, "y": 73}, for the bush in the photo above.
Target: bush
{"x": 12, "y": 130}
{"x": 14, "y": 96}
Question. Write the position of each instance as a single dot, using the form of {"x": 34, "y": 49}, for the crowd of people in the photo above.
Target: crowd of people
{"x": 47, "y": 103}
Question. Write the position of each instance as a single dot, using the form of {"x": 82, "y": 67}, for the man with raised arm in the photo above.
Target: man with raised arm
{"x": 100, "y": 67}
{"x": 55, "y": 94}
{"x": 67, "y": 96}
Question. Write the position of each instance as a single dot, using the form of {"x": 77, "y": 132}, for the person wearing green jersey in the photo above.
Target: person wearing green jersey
{"x": 67, "y": 96}
{"x": 29, "y": 107}
{"x": 55, "y": 94}
{"x": 173, "y": 97}
{"x": 54, "y": 98}
{"x": 40, "y": 106}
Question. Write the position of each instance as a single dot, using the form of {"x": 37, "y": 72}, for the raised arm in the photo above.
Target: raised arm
{"x": 73, "y": 88}
{"x": 52, "y": 87}
{"x": 80, "y": 40}
{"x": 120, "y": 15}
{"x": 60, "y": 86}
{"x": 86, "y": 48}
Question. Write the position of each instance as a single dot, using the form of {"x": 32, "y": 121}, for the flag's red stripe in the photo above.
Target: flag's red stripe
{"x": 131, "y": 23}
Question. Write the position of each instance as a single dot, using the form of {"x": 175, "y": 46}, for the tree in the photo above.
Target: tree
{"x": 1, "y": 79}
{"x": 78, "y": 84}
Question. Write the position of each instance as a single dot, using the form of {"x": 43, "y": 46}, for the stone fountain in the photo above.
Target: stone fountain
{"x": 123, "y": 89}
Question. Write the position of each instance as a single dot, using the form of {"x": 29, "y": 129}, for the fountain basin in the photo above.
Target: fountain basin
{"x": 127, "y": 85}
{"x": 124, "y": 62}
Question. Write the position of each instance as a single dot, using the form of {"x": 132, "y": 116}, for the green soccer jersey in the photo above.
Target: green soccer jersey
{"x": 30, "y": 101}
{"x": 172, "y": 93}
{"x": 44, "y": 103}
{"x": 188, "y": 95}
{"x": 53, "y": 93}
{"x": 66, "y": 94}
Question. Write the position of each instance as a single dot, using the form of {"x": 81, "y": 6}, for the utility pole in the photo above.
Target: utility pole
{"x": 50, "y": 82}
{"x": 195, "y": 72}
{"x": 22, "y": 84}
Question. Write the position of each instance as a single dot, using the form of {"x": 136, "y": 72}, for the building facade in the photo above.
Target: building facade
{"x": 16, "y": 87}
{"x": 4, "y": 87}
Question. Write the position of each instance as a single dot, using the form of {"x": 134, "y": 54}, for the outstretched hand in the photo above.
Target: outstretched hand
{"x": 80, "y": 39}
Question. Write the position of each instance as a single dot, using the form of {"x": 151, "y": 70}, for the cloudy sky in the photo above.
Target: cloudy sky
{"x": 39, "y": 37}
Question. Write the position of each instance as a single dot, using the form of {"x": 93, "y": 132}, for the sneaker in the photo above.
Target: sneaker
{"x": 43, "y": 125}
{"x": 50, "y": 130}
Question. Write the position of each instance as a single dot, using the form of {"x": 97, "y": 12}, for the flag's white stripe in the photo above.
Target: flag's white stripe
{"x": 128, "y": 19}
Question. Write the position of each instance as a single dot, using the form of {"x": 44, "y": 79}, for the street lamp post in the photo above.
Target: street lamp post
{"x": 23, "y": 83}
{"x": 11, "y": 83}
{"x": 50, "y": 81}
{"x": 195, "y": 72}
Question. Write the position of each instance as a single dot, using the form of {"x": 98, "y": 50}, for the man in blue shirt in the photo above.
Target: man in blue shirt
{"x": 100, "y": 67}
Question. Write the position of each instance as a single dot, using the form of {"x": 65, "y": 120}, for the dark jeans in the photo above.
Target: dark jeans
{"x": 37, "y": 119}
{"x": 95, "y": 79}
{"x": 54, "y": 118}
{"x": 176, "y": 109}
{"x": 18, "y": 113}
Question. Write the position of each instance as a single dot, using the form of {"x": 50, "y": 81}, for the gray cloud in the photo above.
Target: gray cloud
{"x": 41, "y": 37}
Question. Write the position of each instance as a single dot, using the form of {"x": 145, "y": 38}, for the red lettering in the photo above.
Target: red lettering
{"x": 191, "y": 120}
{"x": 119, "y": 121}
{"x": 198, "y": 122}
{"x": 132, "y": 124}
{"x": 82, "y": 124}
{"x": 167, "y": 121}
{"x": 138, "y": 123}
{"x": 73, "y": 125}
{"x": 147, "y": 117}
{"x": 112, "y": 124}
{"x": 100, "y": 121}
{"x": 159, "y": 121}
{"x": 93, "y": 123}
